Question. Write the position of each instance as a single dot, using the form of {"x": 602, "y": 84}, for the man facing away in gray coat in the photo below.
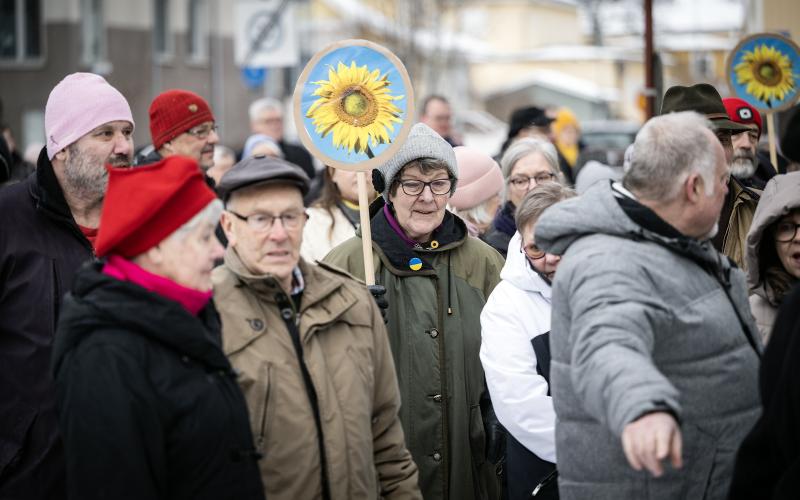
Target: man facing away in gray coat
{"x": 655, "y": 354}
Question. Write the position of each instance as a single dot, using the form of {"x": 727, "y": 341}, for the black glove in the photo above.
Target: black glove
{"x": 379, "y": 294}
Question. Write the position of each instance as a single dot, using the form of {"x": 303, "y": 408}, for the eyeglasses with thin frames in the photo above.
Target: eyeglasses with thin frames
{"x": 523, "y": 181}
{"x": 203, "y": 131}
{"x": 437, "y": 186}
{"x": 261, "y": 222}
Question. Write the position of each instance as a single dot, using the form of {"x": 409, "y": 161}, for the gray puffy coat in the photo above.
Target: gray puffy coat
{"x": 641, "y": 322}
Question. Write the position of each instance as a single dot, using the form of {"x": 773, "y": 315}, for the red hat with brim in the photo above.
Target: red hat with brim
{"x": 144, "y": 205}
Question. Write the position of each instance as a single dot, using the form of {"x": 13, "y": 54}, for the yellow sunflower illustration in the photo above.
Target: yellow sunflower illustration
{"x": 767, "y": 72}
{"x": 355, "y": 105}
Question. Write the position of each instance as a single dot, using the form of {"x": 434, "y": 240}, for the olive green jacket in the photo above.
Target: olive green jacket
{"x": 435, "y": 335}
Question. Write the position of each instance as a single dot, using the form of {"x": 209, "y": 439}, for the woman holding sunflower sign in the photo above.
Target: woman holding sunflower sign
{"x": 355, "y": 114}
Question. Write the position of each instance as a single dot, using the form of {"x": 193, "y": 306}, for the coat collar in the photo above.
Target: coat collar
{"x": 397, "y": 255}
{"x": 47, "y": 191}
{"x": 325, "y": 298}
{"x": 105, "y": 302}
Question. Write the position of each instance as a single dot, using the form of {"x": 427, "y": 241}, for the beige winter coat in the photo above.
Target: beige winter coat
{"x": 781, "y": 196}
{"x": 346, "y": 350}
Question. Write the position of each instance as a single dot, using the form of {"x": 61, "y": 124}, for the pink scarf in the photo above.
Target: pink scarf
{"x": 124, "y": 270}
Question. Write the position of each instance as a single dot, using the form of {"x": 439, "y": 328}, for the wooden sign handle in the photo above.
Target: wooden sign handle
{"x": 773, "y": 153}
{"x": 366, "y": 232}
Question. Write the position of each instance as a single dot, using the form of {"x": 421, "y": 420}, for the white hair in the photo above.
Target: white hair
{"x": 667, "y": 150}
{"x": 521, "y": 148}
{"x": 208, "y": 215}
{"x": 264, "y": 104}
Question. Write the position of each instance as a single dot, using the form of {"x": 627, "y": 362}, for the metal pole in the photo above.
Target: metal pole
{"x": 649, "y": 84}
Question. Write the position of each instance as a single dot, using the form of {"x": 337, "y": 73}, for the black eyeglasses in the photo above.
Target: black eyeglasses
{"x": 415, "y": 188}
{"x": 260, "y": 222}
{"x": 786, "y": 231}
{"x": 523, "y": 181}
{"x": 202, "y": 131}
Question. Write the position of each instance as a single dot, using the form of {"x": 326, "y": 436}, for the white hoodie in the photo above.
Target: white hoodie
{"x": 517, "y": 311}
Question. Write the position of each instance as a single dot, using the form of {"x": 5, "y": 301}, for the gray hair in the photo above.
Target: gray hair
{"x": 265, "y": 103}
{"x": 538, "y": 199}
{"x": 521, "y": 148}
{"x": 667, "y": 150}
{"x": 208, "y": 215}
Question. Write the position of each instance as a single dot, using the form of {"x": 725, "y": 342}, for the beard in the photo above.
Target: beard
{"x": 743, "y": 164}
{"x": 86, "y": 176}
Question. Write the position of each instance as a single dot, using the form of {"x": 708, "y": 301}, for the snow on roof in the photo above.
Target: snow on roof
{"x": 670, "y": 16}
{"x": 559, "y": 81}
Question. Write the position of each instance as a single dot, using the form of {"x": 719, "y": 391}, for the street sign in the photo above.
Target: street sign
{"x": 265, "y": 35}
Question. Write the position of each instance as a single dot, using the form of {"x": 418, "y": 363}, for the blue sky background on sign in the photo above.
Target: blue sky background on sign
{"x": 362, "y": 56}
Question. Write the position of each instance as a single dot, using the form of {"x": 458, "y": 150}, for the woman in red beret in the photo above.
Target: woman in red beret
{"x": 149, "y": 407}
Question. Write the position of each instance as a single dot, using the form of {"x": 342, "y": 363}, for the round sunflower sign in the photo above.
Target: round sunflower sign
{"x": 764, "y": 70}
{"x": 353, "y": 105}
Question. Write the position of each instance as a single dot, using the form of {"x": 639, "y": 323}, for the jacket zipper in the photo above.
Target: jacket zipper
{"x": 290, "y": 319}
{"x": 260, "y": 442}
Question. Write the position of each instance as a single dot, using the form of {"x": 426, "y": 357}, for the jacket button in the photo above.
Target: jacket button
{"x": 437, "y": 456}
{"x": 433, "y": 333}
{"x": 437, "y": 398}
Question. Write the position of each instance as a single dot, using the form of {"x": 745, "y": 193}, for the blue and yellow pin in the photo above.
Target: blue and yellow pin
{"x": 415, "y": 264}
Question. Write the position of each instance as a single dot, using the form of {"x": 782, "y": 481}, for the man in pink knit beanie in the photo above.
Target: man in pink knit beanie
{"x": 47, "y": 226}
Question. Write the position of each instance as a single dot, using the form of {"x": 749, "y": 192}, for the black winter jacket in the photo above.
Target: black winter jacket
{"x": 41, "y": 247}
{"x": 148, "y": 403}
{"x": 768, "y": 462}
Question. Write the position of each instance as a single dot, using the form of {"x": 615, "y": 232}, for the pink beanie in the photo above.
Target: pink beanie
{"x": 80, "y": 103}
{"x": 479, "y": 178}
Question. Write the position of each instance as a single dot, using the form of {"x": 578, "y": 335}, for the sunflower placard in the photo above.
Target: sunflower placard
{"x": 353, "y": 105}
{"x": 764, "y": 70}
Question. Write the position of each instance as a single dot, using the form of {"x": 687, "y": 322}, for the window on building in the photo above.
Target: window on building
{"x": 162, "y": 41}
{"x": 94, "y": 33}
{"x": 20, "y": 30}
{"x": 197, "y": 33}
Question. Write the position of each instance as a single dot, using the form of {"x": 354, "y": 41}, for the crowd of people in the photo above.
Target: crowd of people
{"x": 185, "y": 321}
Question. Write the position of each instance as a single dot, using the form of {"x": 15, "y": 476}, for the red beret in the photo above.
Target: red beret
{"x": 146, "y": 204}
{"x": 174, "y": 112}
{"x": 741, "y": 112}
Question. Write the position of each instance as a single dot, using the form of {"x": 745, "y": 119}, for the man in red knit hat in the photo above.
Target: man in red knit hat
{"x": 181, "y": 123}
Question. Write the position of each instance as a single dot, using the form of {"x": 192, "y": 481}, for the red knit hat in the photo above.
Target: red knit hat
{"x": 146, "y": 204}
{"x": 174, "y": 112}
{"x": 741, "y": 112}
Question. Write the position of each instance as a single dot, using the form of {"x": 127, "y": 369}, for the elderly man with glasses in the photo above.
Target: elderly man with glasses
{"x": 181, "y": 123}
{"x": 313, "y": 352}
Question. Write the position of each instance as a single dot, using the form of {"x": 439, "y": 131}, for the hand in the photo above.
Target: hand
{"x": 649, "y": 439}
{"x": 379, "y": 294}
